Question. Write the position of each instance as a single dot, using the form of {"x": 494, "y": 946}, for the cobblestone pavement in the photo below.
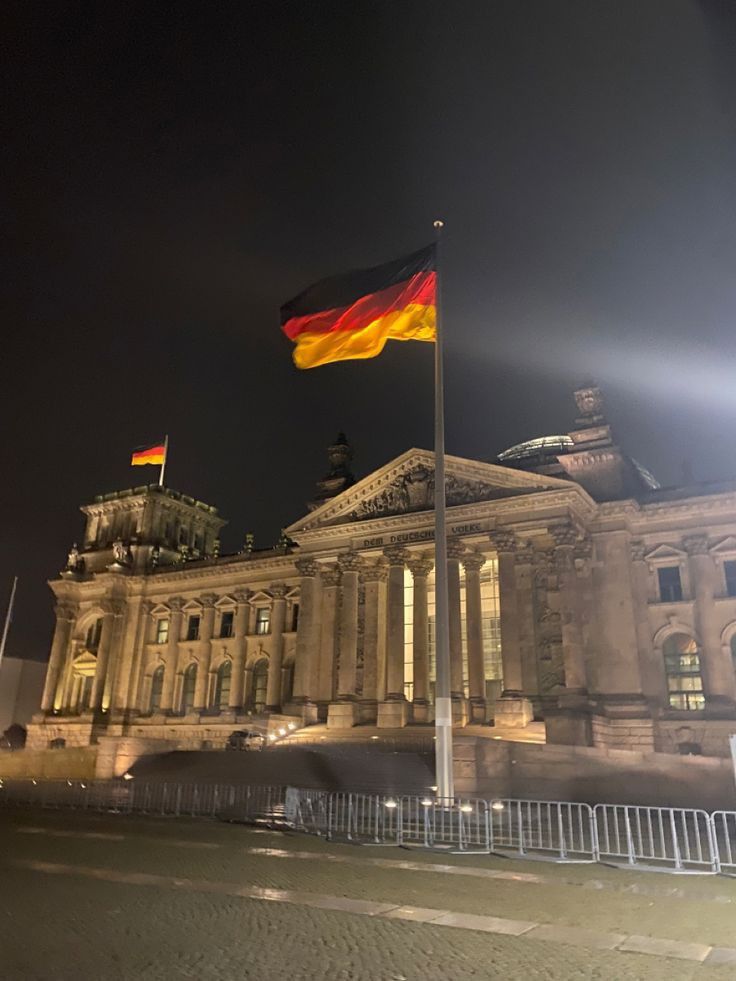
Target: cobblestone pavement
{"x": 101, "y": 897}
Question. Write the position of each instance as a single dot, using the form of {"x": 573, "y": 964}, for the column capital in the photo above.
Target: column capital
{"x": 638, "y": 549}
{"x": 502, "y": 540}
{"x": 330, "y": 575}
{"x": 175, "y": 604}
{"x": 397, "y": 554}
{"x": 374, "y": 572}
{"x": 307, "y": 568}
{"x": 696, "y": 544}
{"x": 207, "y": 600}
{"x": 474, "y": 562}
{"x": 350, "y": 562}
{"x": 147, "y": 607}
{"x": 112, "y": 607}
{"x": 583, "y": 549}
{"x": 455, "y": 550}
{"x": 420, "y": 566}
{"x": 242, "y": 596}
{"x": 66, "y": 610}
{"x": 278, "y": 590}
{"x": 565, "y": 535}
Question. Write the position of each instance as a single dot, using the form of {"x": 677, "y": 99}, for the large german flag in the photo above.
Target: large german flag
{"x": 352, "y": 316}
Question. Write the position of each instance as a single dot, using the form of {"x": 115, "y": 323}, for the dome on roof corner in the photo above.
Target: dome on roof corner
{"x": 533, "y": 448}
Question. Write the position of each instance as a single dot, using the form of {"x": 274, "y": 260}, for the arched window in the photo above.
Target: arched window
{"x": 682, "y": 666}
{"x": 94, "y": 632}
{"x": 187, "y": 692}
{"x": 157, "y": 686}
{"x": 733, "y": 651}
{"x": 222, "y": 685}
{"x": 260, "y": 684}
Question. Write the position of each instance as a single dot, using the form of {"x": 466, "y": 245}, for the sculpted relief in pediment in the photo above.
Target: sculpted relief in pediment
{"x": 414, "y": 491}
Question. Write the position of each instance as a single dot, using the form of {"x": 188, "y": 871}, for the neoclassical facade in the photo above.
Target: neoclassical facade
{"x": 581, "y": 594}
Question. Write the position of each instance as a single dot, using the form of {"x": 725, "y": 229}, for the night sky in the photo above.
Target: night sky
{"x": 172, "y": 173}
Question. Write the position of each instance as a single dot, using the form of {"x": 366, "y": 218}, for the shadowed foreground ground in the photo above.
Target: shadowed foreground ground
{"x": 102, "y": 897}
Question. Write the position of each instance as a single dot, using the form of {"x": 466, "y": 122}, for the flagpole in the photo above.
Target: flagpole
{"x": 163, "y": 465}
{"x": 8, "y": 618}
{"x": 442, "y": 701}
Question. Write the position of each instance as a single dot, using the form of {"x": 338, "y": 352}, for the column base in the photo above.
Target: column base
{"x": 478, "y": 711}
{"x": 309, "y": 712}
{"x": 568, "y": 727}
{"x": 513, "y": 712}
{"x": 343, "y": 715}
{"x": 393, "y": 715}
{"x": 460, "y": 711}
{"x": 420, "y": 710}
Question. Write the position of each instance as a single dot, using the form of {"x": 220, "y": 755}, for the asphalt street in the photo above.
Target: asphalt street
{"x": 100, "y": 897}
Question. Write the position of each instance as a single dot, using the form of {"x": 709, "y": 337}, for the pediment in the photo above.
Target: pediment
{"x": 665, "y": 552}
{"x": 226, "y": 603}
{"x": 193, "y": 606}
{"x": 160, "y": 610}
{"x": 406, "y": 485}
{"x": 725, "y": 547}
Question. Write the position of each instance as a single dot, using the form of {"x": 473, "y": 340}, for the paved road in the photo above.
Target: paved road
{"x": 104, "y": 897}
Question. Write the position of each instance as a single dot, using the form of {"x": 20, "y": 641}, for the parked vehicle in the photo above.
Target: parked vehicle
{"x": 249, "y": 740}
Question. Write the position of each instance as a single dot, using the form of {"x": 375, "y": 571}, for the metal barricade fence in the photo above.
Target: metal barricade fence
{"x": 563, "y": 831}
{"x": 723, "y": 825}
{"x": 672, "y": 838}
{"x": 459, "y": 825}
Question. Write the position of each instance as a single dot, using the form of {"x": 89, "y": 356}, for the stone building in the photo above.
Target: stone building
{"x": 581, "y": 594}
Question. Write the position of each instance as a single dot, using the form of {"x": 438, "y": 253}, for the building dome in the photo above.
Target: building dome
{"x": 532, "y": 449}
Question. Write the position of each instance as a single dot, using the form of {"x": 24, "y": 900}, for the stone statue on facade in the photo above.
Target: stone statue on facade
{"x": 73, "y": 560}
{"x": 120, "y": 553}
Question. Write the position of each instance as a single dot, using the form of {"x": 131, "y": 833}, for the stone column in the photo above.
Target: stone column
{"x": 204, "y": 650}
{"x": 278, "y": 618}
{"x": 420, "y": 567}
{"x": 172, "y": 654}
{"x": 344, "y": 713}
{"x": 132, "y": 697}
{"x": 66, "y": 614}
{"x": 325, "y": 685}
{"x": 103, "y": 654}
{"x": 512, "y": 710}
{"x": 474, "y": 626}
{"x": 455, "y": 551}
{"x": 374, "y": 638}
{"x": 394, "y": 711}
{"x": 307, "y": 639}
{"x": 652, "y": 670}
{"x": 132, "y": 640}
{"x": 716, "y": 664}
{"x": 524, "y": 583}
{"x": 565, "y": 537}
{"x": 241, "y": 622}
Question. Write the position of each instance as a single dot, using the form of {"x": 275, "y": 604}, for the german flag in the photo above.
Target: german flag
{"x": 149, "y": 454}
{"x": 352, "y": 316}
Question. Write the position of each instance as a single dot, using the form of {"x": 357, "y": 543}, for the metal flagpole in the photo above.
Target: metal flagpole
{"x": 163, "y": 465}
{"x": 442, "y": 701}
{"x": 8, "y": 618}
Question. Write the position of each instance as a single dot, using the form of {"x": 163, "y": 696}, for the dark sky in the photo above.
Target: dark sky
{"x": 172, "y": 173}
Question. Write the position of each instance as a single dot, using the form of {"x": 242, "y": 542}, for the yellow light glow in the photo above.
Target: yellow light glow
{"x": 497, "y": 805}
{"x": 390, "y": 803}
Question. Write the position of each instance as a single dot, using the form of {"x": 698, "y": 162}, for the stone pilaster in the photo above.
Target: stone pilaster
{"x": 66, "y": 614}
{"x": 455, "y": 552}
{"x": 278, "y": 617}
{"x": 717, "y": 667}
{"x": 374, "y": 638}
{"x": 328, "y": 650}
{"x": 420, "y": 568}
{"x": 344, "y": 712}
{"x": 394, "y": 711}
{"x": 472, "y": 564}
{"x": 512, "y": 709}
{"x": 306, "y": 663}
{"x": 241, "y": 622}
{"x": 172, "y": 654}
{"x": 133, "y": 701}
{"x": 524, "y": 583}
{"x": 110, "y": 609}
{"x": 565, "y": 537}
{"x": 204, "y": 651}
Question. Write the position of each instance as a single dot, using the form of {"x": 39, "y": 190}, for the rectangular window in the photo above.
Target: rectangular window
{"x": 729, "y": 571}
{"x": 226, "y": 624}
{"x": 670, "y": 587}
{"x": 263, "y": 620}
{"x": 193, "y": 628}
{"x": 295, "y": 617}
{"x": 162, "y": 630}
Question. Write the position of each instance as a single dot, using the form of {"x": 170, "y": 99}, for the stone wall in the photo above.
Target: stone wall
{"x": 492, "y": 768}
{"x": 76, "y": 763}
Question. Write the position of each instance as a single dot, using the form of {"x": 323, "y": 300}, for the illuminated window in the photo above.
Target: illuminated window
{"x": 222, "y": 685}
{"x": 682, "y": 667}
{"x": 226, "y": 624}
{"x": 670, "y": 586}
{"x": 93, "y": 635}
{"x": 187, "y": 692}
{"x": 263, "y": 620}
{"x": 162, "y": 630}
{"x": 260, "y": 685}
{"x": 193, "y": 628}
{"x": 157, "y": 686}
{"x": 729, "y": 571}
